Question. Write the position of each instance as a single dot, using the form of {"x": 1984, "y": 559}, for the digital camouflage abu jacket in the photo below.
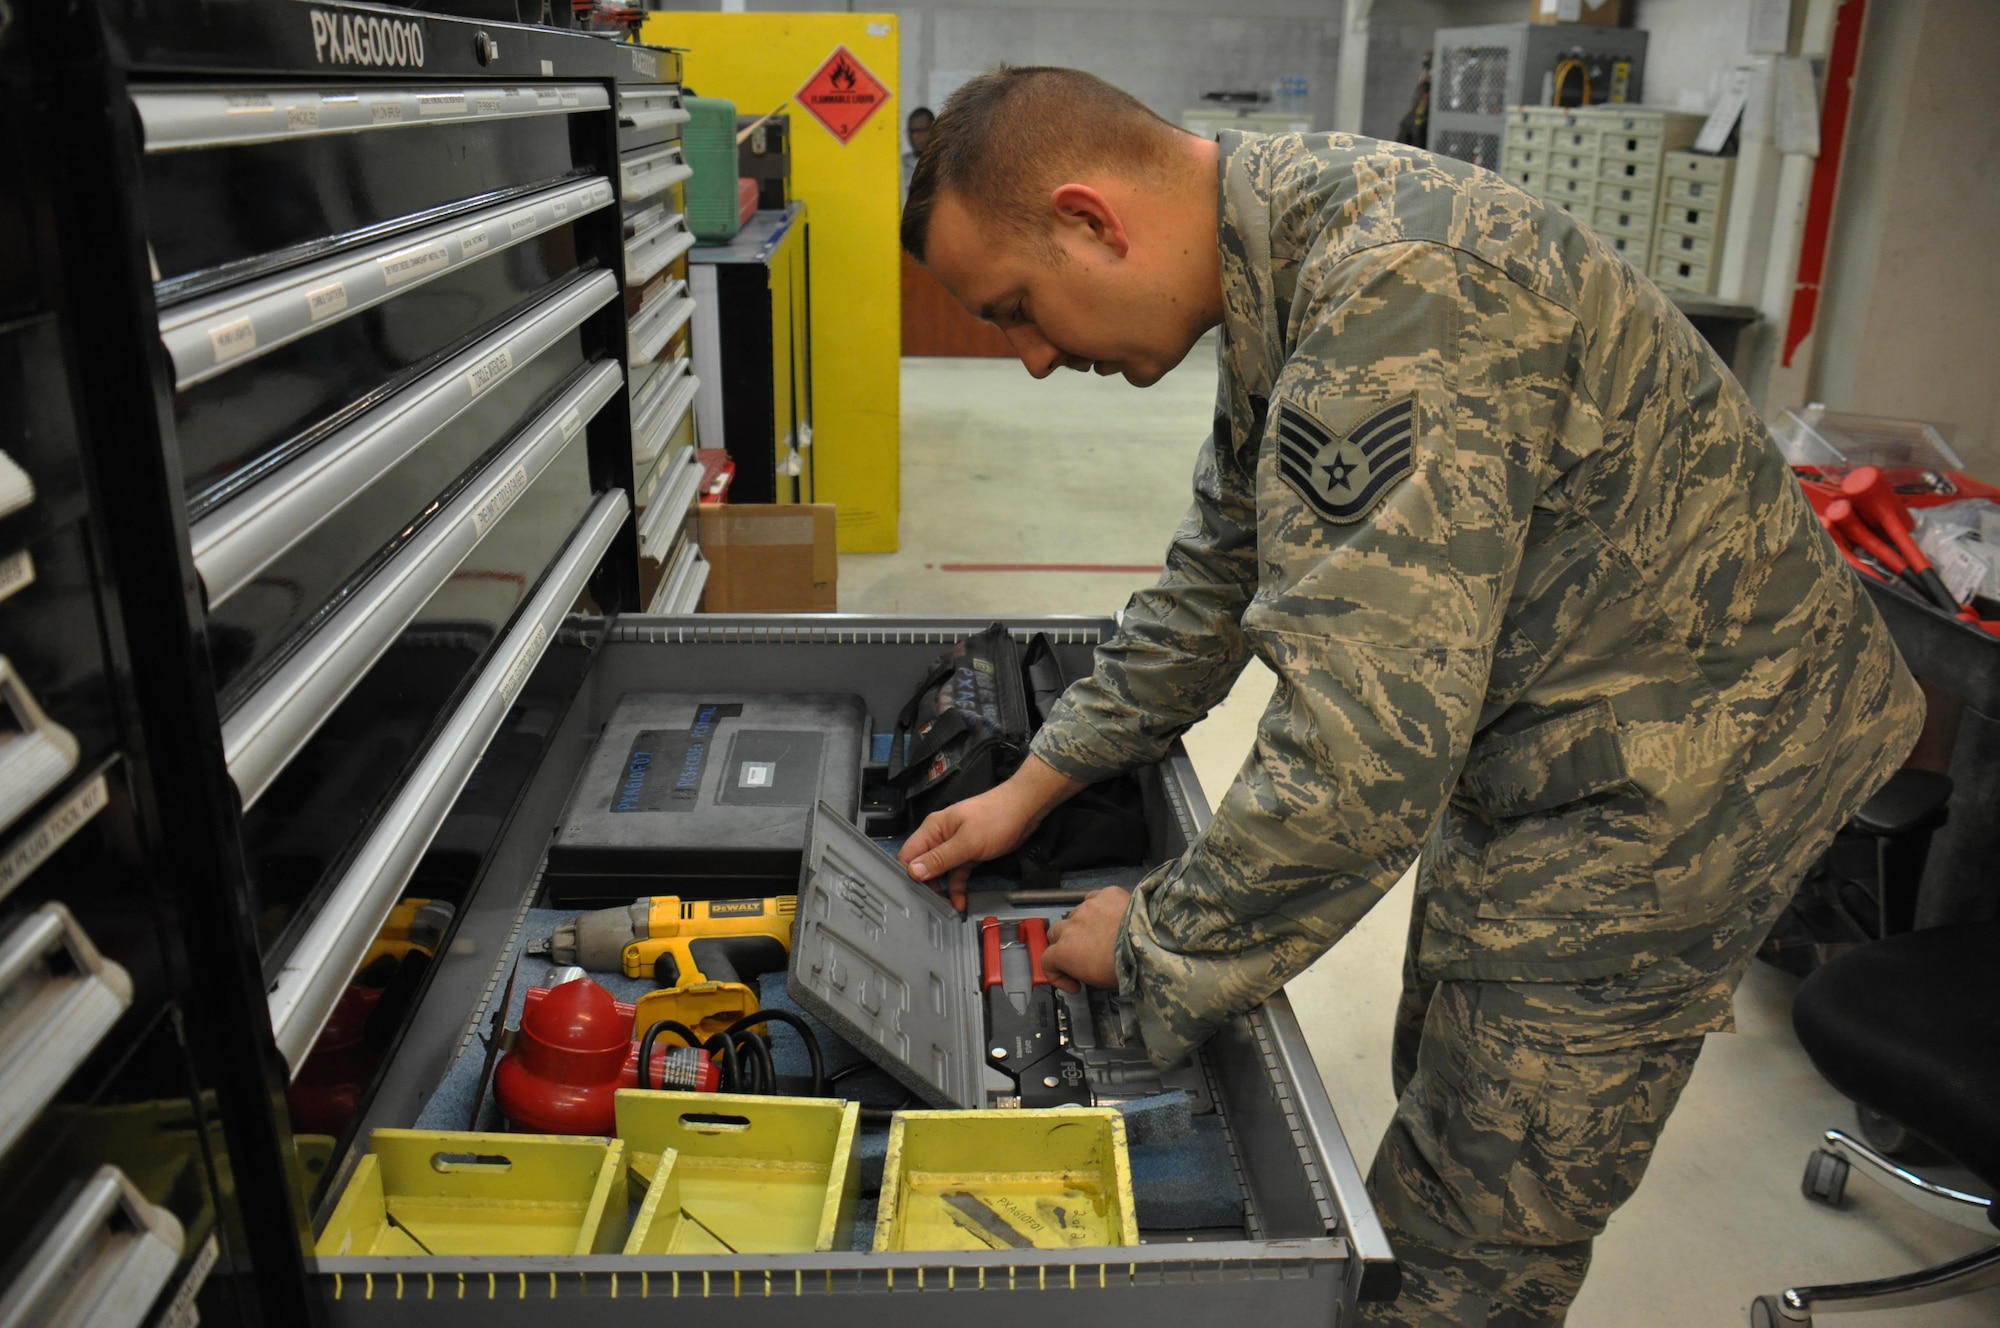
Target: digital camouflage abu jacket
{"x": 1542, "y": 599}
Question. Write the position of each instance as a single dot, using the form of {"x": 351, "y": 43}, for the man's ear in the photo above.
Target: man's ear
{"x": 1081, "y": 207}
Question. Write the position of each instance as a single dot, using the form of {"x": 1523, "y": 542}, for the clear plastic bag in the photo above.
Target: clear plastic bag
{"x": 1962, "y": 540}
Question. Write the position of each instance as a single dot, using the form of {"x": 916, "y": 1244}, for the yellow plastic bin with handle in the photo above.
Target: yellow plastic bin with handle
{"x": 1054, "y": 1179}
{"x": 420, "y": 1192}
{"x": 748, "y": 1175}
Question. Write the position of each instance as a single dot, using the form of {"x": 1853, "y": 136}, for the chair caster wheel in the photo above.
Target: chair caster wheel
{"x": 1765, "y": 1313}
{"x": 1825, "y": 1181}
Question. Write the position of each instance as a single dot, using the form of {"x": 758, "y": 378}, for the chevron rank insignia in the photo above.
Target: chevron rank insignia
{"x": 1343, "y": 478}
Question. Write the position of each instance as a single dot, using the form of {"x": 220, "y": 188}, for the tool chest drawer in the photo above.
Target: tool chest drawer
{"x": 274, "y": 557}
{"x": 81, "y": 969}
{"x": 41, "y": 462}
{"x": 112, "y": 1216}
{"x": 265, "y": 370}
{"x": 1300, "y": 1240}
{"x": 316, "y": 761}
{"x": 53, "y": 690}
{"x": 242, "y": 179}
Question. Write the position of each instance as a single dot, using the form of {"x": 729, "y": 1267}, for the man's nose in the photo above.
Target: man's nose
{"x": 1037, "y": 355}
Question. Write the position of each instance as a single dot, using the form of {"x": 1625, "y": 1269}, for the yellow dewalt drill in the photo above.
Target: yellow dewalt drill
{"x": 679, "y": 942}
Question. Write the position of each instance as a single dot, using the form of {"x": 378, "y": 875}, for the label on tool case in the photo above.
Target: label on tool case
{"x": 664, "y": 768}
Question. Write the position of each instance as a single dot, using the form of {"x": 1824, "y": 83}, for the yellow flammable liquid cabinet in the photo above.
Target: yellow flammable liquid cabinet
{"x": 846, "y": 168}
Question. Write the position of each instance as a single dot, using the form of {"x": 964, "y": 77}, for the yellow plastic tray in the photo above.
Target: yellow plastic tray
{"x": 441, "y": 1192}
{"x": 758, "y": 1175}
{"x": 994, "y": 1180}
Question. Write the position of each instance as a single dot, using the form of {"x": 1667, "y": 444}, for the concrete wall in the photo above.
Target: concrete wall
{"x": 1165, "y": 52}
{"x": 1910, "y": 317}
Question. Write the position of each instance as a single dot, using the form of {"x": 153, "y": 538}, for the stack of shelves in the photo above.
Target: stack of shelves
{"x": 1694, "y": 211}
{"x": 1602, "y": 164}
{"x": 662, "y": 383}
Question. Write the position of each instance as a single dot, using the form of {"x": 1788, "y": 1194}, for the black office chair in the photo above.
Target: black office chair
{"x": 1909, "y": 1027}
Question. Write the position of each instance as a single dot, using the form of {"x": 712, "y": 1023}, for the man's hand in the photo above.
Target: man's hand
{"x": 1083, "y": 946}
{"x": 991, "y": 825}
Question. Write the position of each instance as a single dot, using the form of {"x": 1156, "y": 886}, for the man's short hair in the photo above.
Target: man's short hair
{"x": 1006, "y": 138}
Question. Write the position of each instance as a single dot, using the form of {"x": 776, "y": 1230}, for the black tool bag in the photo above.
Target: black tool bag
{"x": 967, "y": 730}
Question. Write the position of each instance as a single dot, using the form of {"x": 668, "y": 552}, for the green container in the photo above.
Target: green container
{"x": 729, "y": 1174}
{"x": 441, "y": 1192}
{"x": 1055, "y": 1179}
{"x": 708, "y": 144}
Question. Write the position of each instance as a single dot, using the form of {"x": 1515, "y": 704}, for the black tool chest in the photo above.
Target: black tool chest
{"x": 336, "y": 344}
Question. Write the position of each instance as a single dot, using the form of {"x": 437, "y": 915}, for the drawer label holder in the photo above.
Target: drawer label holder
{"x": 39, "y": 844}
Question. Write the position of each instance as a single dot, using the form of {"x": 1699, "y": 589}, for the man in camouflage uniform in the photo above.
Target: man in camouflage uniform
{"x": 1544, "y": 605}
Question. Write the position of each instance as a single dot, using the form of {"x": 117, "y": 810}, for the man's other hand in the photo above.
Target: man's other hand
{"x": 950, "y": 843}
{"x": 1083, "y": 946}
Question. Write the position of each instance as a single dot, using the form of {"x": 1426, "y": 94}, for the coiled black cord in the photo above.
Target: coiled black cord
{"x": 742, "y": 1056}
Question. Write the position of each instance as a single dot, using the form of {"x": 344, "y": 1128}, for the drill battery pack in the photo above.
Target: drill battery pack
{"x": 704, "y": 796}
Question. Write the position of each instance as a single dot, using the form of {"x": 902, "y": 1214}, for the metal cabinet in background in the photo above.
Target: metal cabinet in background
{"x": 1477, "y": 73}
{"x": 753, "y": 336}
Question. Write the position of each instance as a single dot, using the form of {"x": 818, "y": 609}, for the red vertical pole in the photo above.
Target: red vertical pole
{"x": 1826, "y": 173}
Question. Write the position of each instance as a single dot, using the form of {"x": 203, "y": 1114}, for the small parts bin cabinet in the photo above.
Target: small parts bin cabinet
{"x": 335, "y": 342}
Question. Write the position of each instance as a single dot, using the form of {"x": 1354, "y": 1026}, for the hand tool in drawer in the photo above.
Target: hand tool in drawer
{"x": 1028, "y": 1041}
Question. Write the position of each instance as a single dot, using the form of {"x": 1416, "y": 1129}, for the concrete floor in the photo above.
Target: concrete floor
{"x": 1000, "y": 469}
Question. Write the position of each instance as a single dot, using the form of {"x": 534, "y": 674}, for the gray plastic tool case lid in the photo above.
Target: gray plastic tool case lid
{"x": 888, "y": 965}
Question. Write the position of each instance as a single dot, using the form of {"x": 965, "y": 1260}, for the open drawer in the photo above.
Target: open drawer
{"x": 1305, "y": 1246}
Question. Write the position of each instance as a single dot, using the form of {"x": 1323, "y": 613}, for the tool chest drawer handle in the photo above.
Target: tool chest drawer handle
{"x": 681, "y": 592}
{"x": 648, "y": 173}
{"x": 648, "y": 332}
{"x": 237, "y": 541}
{"x": 648, "y": 252}
{"x": 178, "y": 119}
{"x": 219, "y": 332}
{"x": 263, "y": 734}
{"x": 673, "y": 406}
{"x": 17, "y": 490}
{"x": 60, "y": 998}
{"x": 664, "y": 513}
{"x": 104, "y": 1265}
{"x": 313, "y": 979}
{"x": 650, "y": 108}
{"x": 36, "y": 754}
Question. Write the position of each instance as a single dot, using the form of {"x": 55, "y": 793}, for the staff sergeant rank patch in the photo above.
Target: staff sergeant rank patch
{"x": 1342, "y": 479}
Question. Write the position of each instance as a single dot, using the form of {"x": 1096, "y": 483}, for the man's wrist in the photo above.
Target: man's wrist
{"x": 1041, "y": 788}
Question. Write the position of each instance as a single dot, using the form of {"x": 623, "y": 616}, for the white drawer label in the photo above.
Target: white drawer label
{"x": 560, "y": 206}
{"x": 489, "y": 371}
{"x": 496, "y": 504}
{"x": 440, "y": 103}
{"x": 18, "y": 571}
{"x": 547, "y": 96}
{"x": 572, "y": 421}
{"x": 233, "y": 339}
{"x": 413, "y": 264}
{"x": 32, "y": 849}
{"x": 246, "y": 103}
{"x": 182, "y": 1313}
{"x": 520, "y": 224}
{"x": 386, "y": 112}
{"x": 302, "y": 117}
{"x": 324, "y": 302}
{"x": 524, "y": 664}
{"x": 571, "y": 97}
{"x": 472, "y": 241}
{"x": 485, "y": 104}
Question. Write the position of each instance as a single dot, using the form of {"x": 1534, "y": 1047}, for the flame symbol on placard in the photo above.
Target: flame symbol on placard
{"x": 842, "y": 76}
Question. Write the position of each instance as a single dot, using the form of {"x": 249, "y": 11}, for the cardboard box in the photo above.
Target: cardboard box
{"x": 1597, "y": 13}
{"x": 770, "y": 558}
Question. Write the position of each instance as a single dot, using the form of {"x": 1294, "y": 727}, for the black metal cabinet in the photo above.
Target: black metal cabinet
{"x": 314, "y": 404}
